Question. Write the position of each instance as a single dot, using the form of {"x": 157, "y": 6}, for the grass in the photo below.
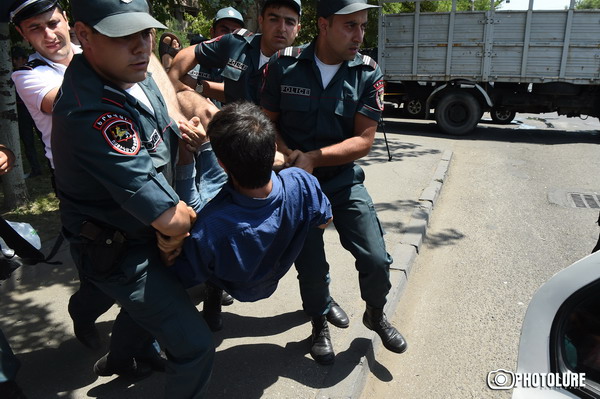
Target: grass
{"x": 42, "y": 210}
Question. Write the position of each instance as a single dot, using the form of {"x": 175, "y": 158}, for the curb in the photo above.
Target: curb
{"x": 404, "y": 254}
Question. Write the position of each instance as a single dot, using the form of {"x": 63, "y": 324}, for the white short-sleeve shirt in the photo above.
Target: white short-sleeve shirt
{"x": 33, "y": 85}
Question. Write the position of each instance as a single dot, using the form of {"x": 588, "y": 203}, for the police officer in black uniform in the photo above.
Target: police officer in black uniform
{"x": 114, "y": 147}
{"x": 327, "y": 99}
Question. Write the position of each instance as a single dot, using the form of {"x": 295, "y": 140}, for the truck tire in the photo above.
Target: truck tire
{"x": 502, "y": 116}
{"x": 414, "y": 108}
{"x": 457, "y": 113}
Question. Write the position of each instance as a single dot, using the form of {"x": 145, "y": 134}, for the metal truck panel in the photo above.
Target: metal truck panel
{"x": 494, "y": 46}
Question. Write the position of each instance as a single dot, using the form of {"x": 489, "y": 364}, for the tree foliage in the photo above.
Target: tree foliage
{"x": 587, "y": 4}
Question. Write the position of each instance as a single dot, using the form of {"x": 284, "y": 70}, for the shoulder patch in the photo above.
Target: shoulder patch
{"x": 243, "y": 32}
{"x": 31, "y": 65}
{"x": 114, "y": 97}
{"x": 369, "y": 61}
{"x": 379, "y": 86}
{"x": 291, "y": 52}
{"x": 119, "y": 133}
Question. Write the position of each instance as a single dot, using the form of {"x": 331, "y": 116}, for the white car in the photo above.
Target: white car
{"x": 559, "y": 351}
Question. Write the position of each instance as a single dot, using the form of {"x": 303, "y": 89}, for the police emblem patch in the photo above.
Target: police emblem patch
{"x": 119, "y": 133}
{"x": 380, "y": 87}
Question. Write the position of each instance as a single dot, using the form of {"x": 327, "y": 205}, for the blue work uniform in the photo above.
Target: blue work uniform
{"x": 313, "y": 117}
{"x": 114, "y": 161}
{"x": 238, "y": 54}
{"x": 246, "y": 245}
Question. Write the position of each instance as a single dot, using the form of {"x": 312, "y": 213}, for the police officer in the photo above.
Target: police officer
{"x": 327, "y": 100}
{"x": 241, "y": 54}
{"x": 227, "y": 20}
{"x": 114, "y": 146}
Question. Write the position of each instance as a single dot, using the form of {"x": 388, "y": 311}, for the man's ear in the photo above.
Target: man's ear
{"x": 18, "y": 28}
{"x": 83, "y": 33}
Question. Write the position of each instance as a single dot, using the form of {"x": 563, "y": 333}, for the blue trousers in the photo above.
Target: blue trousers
{"x": 360, "y": 233}
{"x": 155, "y": 304}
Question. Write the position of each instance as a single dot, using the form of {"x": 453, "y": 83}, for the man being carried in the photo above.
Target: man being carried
{"x": 249, "y": 235}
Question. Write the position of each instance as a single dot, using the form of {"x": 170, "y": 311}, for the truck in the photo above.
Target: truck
{"x": 460, "y": 64}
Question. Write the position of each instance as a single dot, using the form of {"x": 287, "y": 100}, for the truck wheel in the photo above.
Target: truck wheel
{"x": 457, "y": 113}
{"x": 414, "y": 108}
{"x": 502, "y": 116}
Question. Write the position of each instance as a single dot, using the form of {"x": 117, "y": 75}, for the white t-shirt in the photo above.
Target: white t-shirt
{"x": 33, "y": 85}
{"x": 263, "y": 60}
{"x": 137, "y": 92}
{"x": 327, "y": 71}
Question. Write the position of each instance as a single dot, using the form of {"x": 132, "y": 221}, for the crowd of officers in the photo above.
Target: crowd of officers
{"x": 109, "y": 133}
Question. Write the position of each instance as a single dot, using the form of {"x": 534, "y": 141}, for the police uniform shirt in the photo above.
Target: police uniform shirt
{"x": 245, "y": 245}
{"x": 313, "y": 117}
{"x": 110, "y": 151}
{"x": 33, "y": 81}
{"x": 238, "y": 54}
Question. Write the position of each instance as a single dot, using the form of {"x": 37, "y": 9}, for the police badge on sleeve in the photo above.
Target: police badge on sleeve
{"x": 119, "y": 132}
{"x": 380, "y": 87}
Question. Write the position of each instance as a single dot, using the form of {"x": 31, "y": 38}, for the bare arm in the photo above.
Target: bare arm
{"x": 215, "y": 90}
{"x": 175, "y": 221}
{"x": 346, "y": 151}
{"x": 48, "y": 100}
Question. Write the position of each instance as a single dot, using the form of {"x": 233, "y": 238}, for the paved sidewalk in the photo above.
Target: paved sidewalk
{"x": 262, "y": 351}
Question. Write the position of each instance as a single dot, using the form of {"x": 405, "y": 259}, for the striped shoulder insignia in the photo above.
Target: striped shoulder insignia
{"x": 291, "y": 52}
{"x": 243, "y": 32}
{"x": 31, "y": 65}
{"x": 369, "y": 61}
{"x": 113, "y": 96}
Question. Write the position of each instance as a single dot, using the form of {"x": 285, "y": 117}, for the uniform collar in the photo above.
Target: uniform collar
{"x": 309, "y": 54}
{"x": 247, "y": 202}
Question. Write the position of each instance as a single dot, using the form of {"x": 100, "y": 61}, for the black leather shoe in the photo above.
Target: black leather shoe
{"x": 87, "y": 334}
{"x": 226, "y": 299}
{"x": 374, "y": 319}
{"x": 104, "y": 368}
{"x": 212, "y": 308}
{"x": 10, "y": 390}
{"x": 320, "y": 344}
{"x": 337, "y": 316}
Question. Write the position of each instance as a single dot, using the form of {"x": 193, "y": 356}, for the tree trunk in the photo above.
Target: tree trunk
{"x": 13, "y": 183}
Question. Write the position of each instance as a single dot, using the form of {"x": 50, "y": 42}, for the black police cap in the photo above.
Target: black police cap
{"x": 17, "y": 11}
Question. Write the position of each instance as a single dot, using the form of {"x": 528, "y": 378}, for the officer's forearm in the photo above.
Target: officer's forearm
{"x": 174, "y": 221}
{"x": 214, "y": 90}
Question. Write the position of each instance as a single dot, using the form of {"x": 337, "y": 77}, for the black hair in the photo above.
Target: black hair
{"x": 26, "y": 14}
{"x": 18, "y": 52}
{"x": 243, "y": 139}
{"x": 278, "y": 3}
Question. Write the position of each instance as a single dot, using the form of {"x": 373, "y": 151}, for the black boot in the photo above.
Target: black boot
{"x": 226, "y": 299}
{"x": 337, "y": 316}
{"x": 320, "y": 344}
{"x": 374, "y": 319}
{"x": 212, "y": 308}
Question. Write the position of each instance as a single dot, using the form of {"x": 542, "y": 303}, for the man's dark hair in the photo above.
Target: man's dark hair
{"x": 23, "y": 16}
{"x": 277, "y": 4}
{"x": 243, "y": 139}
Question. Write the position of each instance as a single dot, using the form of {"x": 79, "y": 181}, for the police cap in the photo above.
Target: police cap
{"x": 17, "y": 11}
{"x": 327, "y": 8}
{"x": 115, "y": 18}
{"x": 229, "y": 13}
{"x": 293, "y": 4}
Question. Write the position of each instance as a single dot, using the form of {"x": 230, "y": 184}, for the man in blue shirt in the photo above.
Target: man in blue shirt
{"x": 249, "y": 235}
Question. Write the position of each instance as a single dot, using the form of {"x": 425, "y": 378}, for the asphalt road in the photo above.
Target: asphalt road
{"x": 502, "y": 226}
